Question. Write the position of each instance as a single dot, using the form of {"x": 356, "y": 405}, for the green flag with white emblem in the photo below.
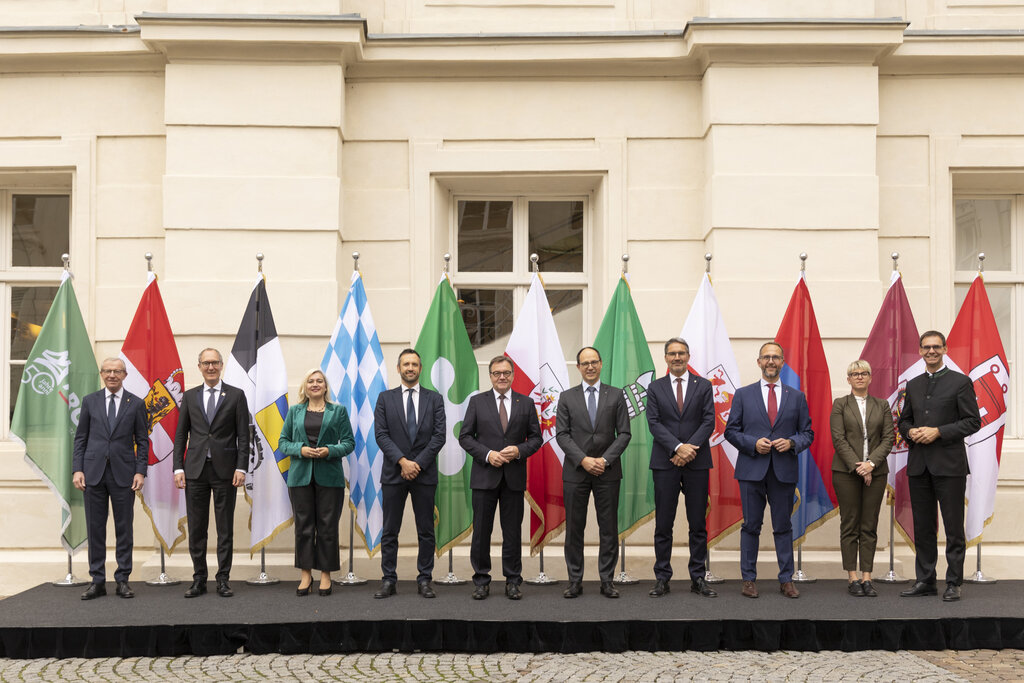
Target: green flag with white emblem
{"x": 449, "y": 367}
{"x": 628, "y": 364}
{"x": 59, "y": 372}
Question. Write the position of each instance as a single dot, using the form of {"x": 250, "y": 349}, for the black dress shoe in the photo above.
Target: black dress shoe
{"x": 303, "y": 592}
{"x": 425, "y": 589}
{"x": 574, "y": 590}
{"x": 952, "y": 593}
{"x": 660, "y": 588}
{"x": 324, "y": 592}
{"x": 869, "y": 589}
{"x": 94, "y": 591}
{"x": 124, "y": 590}
{"x": 224, "y": 590}
{"x": 701, "y": 587}
{"x": 197, "y": 588}
{"x": 855, "y": 588}
{"x": 608, "y": 590}
{"x": 481, "y": 592}
{"x": 919, "y": 588}
{"x": 386, "y": 590}
{"x": 512, "y": 591}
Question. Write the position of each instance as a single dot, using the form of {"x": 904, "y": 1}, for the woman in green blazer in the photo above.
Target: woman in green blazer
{"x": 862, "y": 436}
{"x": 316, "y": 435}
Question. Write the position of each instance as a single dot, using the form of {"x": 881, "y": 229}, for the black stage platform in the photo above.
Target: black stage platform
{"x": 48, "y": 621}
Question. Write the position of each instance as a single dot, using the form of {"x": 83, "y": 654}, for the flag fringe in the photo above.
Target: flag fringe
{"x": 370, "y": 553}
{"x": 273, "y": 534}
{"x": 977, "y": 539}
{"x": 454, "y": 542}
{"x": 64, "y": 505}
{"x": 797, "y": 542}
{"x": 712, "y": 542}
{"x": 623, "y": 535}
{"x": 182, "y": 526}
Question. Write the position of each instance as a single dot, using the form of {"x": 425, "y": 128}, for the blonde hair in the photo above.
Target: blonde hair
{"x": 305, "y": 378}
{"x": 858, "y": 366}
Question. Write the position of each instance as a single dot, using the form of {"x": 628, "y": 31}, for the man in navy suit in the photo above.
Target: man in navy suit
{"x": 409, "y": 425}
{"x": 769, "y": 425}
{"x": 109, "y": 462}
{"x": 500, "y": 431}
{"x": 681, "y": 416}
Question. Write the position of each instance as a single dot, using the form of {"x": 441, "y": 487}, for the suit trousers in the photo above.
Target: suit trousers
{"x": 779, "y": 496}
{"x": 668, "y": 484}
{"x": 947, "y": 493}
{"x": 122, "y": 501}
{"x": 606, "y": 504}
{"x": 485, "y": 502}
{"x": 858, "y": 518}
{"x": 197, "y": 504}
{"x": 423, "y": 512}
{"x": 317, "y": 511}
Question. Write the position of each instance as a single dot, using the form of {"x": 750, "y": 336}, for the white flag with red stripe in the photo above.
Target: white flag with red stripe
{"x": 540, "y": 373}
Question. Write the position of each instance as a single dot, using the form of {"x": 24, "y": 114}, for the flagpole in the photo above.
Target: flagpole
{"x": 799, "y": 576}
{"x": 709, "y": 576}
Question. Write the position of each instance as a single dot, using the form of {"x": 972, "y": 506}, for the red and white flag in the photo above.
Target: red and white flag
{"x": 975, "y": 349}
{"x": 541, "y": 374}
{"x": 154, "y": 373}
{"x": 711, "y": 357}
{"x": 892, "y": 351}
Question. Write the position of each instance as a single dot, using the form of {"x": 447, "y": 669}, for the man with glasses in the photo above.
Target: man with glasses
{"x": 769, "y": 425}
{"x": 940, "y": 411}
{"x": 211, "y": 455}
{"x": 109, "y": 462}
{"x": 500, "y": 431}
{"x": 592, "y": 427}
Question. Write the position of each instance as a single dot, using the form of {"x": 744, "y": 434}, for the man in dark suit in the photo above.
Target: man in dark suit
{"x": 211, "y": 454}
{"x": 500, "y": 431}
{"x": 409, "y": 424}
{"x": 940, "y": 411}
{"x": 109, "y": 462}
{"x": 769, "y": 425}
{"x": 592, "y": 427}
{"x": 681, "y": 416}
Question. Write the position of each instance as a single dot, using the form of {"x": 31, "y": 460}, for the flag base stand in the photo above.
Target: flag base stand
{"x": 451, "y": 580}
{"x": 262, "y": 579}
{"x": 711, "y": 577}
{"x": 541, "y": 579}
{"x": 800, "y": 577}
{"x": 979, "y": 577}
{"x": 624, "y": 579}
{"x": 351, "y": 579}
{"x": 891, "y": 577}
{"x": 163, "y": 580}
{"x": 70, "y": 581}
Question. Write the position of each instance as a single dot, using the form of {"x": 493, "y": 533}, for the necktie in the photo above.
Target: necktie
{"x": 592, "y": 405}
{"x": 111, "y": 411}
{"x": 502, "y": 413}
{"x": 410, "y": 417}
{"x": 679, "y": 394}
{"x": 211, "y": 405}
{"x": 773, "y": 405}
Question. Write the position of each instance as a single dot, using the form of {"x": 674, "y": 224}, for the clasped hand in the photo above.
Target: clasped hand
{"x": 505, "y": 455}
{"x": 308, "y": 452}
{"x": 923, "y": 435}
{"x": 410, "y": 469}
{"x": 594, "y": 466}
{"x": 684, "y": 454}
{"x": 764, "y": 445}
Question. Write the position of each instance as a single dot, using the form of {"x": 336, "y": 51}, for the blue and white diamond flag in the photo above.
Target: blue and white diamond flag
{"x": 354, "y": 366}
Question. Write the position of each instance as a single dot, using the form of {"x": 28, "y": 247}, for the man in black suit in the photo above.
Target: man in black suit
{"x": 109, "y": 463}
{"x": 500, "y": 431}
{"x": 211, "y": 454}
{"x": 592, "y": 427}
{"x": 940, "y": 411}
{"x": 409, "y": 424}
{"x": 681, "y": 416}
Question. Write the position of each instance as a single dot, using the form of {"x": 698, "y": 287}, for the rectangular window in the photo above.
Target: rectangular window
{"x": 35, "y": 232}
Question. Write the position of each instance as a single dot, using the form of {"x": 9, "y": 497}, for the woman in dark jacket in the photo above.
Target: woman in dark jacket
{"x": 862, "y": 436}
{"x": 316, "y": 435}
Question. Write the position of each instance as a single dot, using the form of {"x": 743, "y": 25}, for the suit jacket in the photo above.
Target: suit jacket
{"x": 950, "y": 404}
{"x": 390, "y": 428}
{"x": 669, "y": 429}
{"x": 579, "y": 438}
{"x": 848, "y": 434}
{"x": 227, "y": 438}
{"x": 748, "y": 422}
{"x": 126, "y": 445}
{"x": 481, "y": 433}
{"x": 335, "y": 434}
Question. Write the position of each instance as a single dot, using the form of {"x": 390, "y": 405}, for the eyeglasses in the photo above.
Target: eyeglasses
{"x": 771, "y": 358}
{"x": 111, "y": 372}
{"x": 933, "y": 347}
{"x": 501, "y": 373}
{"x": 859, "y": 375}
{"x": 590, "y": 363}
{"x": 211, "y": 363}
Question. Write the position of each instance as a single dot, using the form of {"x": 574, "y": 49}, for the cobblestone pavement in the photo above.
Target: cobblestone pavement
{"x": 978, "y": 665}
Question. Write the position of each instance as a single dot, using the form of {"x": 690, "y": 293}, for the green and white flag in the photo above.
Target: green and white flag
{"x": 628, "y": 364}
{"x": 59, "y": 372}
{"x": 449, "y": 367}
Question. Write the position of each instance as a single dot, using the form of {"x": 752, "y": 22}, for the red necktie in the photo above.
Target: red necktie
{"x": 773, "y": 405}
{"x": 679, "y": 394}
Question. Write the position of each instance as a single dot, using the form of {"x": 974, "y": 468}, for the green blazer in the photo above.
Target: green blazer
{"x": 335, "y": 434}
{"x": 848, "y": 435}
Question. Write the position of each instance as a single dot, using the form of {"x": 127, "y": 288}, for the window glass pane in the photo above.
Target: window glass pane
{"x": 556, "y": 235}
{"x": 983, "y": 225}
{"x": 485, "y": 236}
{"x": 488, "y": 317}
{"x": 16, "y": 370}
{"x": 41, "y": 230}
{"x": 567, "y": 309}
{"x": 29, "y": 306}
{"x": 1001, "y": 298}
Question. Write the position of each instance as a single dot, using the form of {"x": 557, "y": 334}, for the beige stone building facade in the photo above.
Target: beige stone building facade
{"x": 205, "y": 131}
